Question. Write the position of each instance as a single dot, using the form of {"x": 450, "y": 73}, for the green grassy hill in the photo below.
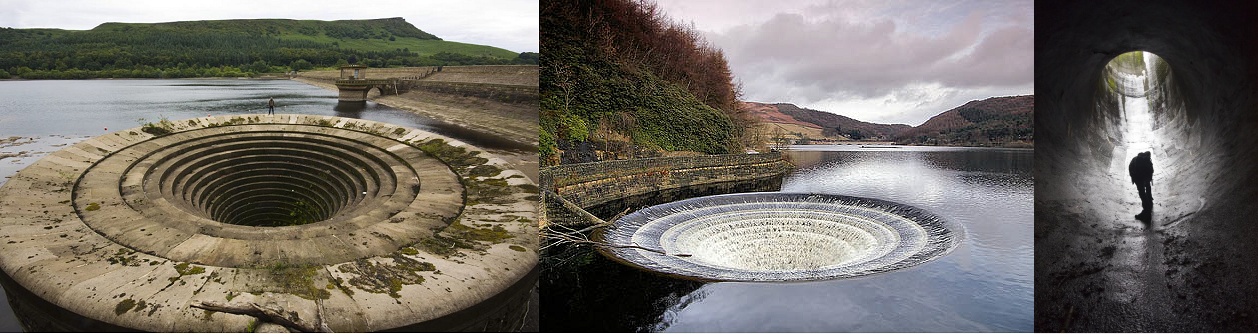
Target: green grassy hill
{"x": 361, "y": 35}
{"x": 232, "y": 48}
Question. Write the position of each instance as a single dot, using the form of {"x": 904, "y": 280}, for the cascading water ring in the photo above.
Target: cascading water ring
{"x": 779, "y": 237}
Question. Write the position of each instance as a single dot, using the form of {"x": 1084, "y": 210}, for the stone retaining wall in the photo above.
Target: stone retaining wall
{"x": 504, "y": 83}
{"x": 495, "y": 92}
{"x": 592, "y": 185}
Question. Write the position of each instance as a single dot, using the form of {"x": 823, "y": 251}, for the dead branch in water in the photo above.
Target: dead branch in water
{"x": 582, "y": 240}
{"x": 564, "y": 234}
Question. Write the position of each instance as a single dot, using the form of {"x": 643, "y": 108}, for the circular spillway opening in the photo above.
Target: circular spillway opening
{"x": 779, "y": 237}
{"x": 1137, "y": 83}
{"x": 267, "y": 179}
{"x": 387, "y": 227}
{"x": 1136, "y": 73}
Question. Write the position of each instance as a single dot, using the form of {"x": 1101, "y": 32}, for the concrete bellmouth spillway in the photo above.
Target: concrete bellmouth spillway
{"x": 342, "y": 224}
{"x": 779, "y": 237}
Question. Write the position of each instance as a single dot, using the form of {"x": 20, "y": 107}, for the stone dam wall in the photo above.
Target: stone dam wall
{"x": 503, "y": 83}
{"x": 513, "y": 75}
{"x": 577, "y": 194}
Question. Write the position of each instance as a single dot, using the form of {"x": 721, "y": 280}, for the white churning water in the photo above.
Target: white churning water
{"x": 779, "y": 237}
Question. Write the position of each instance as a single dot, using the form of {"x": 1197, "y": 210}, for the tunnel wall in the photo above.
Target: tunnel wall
{"x": 1209, "y": 99}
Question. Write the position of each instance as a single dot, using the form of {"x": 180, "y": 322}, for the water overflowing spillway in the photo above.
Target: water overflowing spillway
{"x": 779, "y": 237}
{"x": 347, "y": 224}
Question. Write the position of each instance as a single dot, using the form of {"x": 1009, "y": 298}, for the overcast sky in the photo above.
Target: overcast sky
{"x": 508, "y": 24}
{"x": 876, "y": 61}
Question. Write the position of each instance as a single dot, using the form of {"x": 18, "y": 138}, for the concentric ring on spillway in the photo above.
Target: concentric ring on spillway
{"x": 779, "y": 237}
{"x": 190, "y": 187}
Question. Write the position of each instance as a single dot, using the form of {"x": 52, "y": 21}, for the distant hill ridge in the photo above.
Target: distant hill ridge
{"x": 352, "y": 29}
{"x": 993, "y": 121}
{"x": 996, "y": 121}
{"x": 232, "y": 48}
{"x": 829, "y": 124}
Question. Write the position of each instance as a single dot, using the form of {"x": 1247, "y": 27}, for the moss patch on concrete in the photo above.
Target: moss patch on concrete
{"x": 449, "y": 240}
{"x": 185, "y": 269}
{"x": 298, "y": 280}
{"x": 442, "y": 246}
{"x": 494, "y": 191}
{"x": 124, "y": 306}
{"x": 457, "y": 157}
{"x": 236, "y": 121}
{"x": 381, "y": 277}
{"x": 484, "y": 171}
{"x": 125, "y": 257}
{"x": 493, "y": 234}
{"x": 321, "y": 122}
{"x": 339, "y": 284}
{"x": 482, "y": 187}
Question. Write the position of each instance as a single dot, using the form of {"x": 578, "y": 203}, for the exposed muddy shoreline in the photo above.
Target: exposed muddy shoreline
{"x": 490, "y": 121}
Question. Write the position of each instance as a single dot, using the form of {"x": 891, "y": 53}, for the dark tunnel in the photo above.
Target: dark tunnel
{"x": 1192, "y": 102}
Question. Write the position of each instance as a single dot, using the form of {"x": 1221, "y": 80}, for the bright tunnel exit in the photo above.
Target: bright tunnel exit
{"x": 1133, "y": 76}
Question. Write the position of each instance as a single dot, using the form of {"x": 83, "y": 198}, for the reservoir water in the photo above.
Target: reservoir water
{"x": 39, "y": 117}
{"x": 983, "y": 285}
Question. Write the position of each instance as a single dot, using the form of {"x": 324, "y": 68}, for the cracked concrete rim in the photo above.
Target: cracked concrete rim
{"x": 405, "y": 225}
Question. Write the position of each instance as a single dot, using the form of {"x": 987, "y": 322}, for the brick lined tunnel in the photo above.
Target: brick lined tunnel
{"x": 1097, "y": 267}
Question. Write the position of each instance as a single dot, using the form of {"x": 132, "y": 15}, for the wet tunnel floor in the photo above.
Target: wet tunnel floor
{"x": 1100, "y": 269}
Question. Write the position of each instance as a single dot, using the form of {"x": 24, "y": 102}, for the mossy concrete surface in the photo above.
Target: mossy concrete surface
{"x": 127, "y": 228}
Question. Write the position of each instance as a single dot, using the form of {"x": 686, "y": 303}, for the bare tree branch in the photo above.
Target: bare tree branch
{"x": 264, "y": 313}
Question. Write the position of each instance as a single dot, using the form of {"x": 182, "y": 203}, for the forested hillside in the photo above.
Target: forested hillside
{"x": 996, "y": 121}
{"x": 621, "y": 80}
{"x": 231, "y": 48}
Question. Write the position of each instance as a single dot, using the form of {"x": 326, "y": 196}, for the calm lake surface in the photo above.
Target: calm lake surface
{"x": 52, "y": 113}
{"x": 983, "y": 285}
{"x": 48, "y": 115}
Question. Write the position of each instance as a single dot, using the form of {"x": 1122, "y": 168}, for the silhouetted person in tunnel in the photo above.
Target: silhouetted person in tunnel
{"x": 1141, "y": 170}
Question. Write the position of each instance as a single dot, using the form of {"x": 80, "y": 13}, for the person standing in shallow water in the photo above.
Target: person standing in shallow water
{"x": 270, "y": 106}
{"x": 1141, "y": 169}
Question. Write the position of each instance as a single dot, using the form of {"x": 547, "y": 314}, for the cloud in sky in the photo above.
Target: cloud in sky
{"x": 878, "y": 61}
{"x": 508, "y": 24}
